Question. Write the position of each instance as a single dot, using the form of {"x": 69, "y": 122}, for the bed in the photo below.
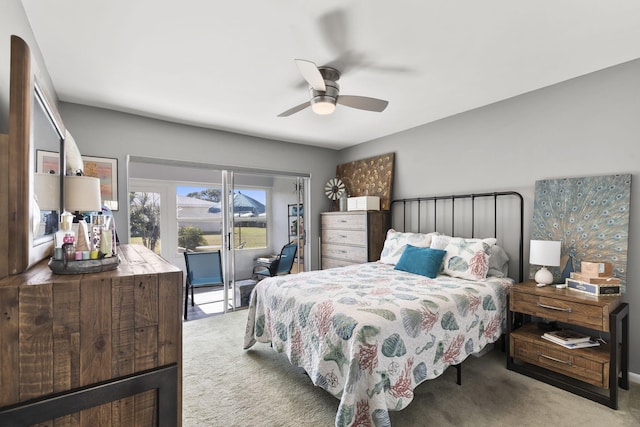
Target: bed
{"x": 370, "y": 333}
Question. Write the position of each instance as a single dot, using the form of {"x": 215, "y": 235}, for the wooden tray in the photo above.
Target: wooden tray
{"x": 84, "y": 266}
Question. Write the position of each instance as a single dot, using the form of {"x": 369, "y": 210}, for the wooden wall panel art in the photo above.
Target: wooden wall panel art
{"x": 369, "y": 177}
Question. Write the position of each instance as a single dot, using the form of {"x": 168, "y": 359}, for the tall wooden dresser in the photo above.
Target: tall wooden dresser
{"x": 93, "y": 349}
{"x": 352, "y": 237}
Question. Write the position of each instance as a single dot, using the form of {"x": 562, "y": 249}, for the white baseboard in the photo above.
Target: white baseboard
{"x": 634, "y": 378}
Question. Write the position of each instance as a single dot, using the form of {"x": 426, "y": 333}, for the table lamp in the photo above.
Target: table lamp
{"x": 82, "y": 194}
{"x": 47, "y": 191}
{"x": 545, "y": 253}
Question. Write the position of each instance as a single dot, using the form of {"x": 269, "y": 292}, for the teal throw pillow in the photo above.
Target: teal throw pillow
{"x": 423, "y": 261}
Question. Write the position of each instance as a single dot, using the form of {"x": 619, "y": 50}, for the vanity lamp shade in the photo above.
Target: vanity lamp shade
{"x": 47, "y": 190}
{"x": 545, "y": 253}
{"x": 82, "y": 193}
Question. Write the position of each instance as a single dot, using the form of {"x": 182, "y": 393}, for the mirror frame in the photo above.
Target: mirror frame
{"x": 23, "y": 250}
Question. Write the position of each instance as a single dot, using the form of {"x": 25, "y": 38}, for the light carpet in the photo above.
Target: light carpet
{"x": 224, "y": 385}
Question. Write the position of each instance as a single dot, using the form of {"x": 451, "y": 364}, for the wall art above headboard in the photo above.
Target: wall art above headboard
{"x": 369, "y": 177}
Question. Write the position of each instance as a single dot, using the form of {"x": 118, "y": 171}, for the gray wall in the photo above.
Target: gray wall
{"x": 583, "y": 127}
{"x": 105, "y": 133}
{"x": 13, "y": 21}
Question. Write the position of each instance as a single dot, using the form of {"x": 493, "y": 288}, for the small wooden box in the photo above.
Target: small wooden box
{"x": 596, "y": 280}
{"x": 596, "y": 269}
{"x": 363, "y": 203}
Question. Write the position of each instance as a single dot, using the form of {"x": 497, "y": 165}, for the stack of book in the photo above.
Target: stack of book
{"x": 570, "y": 339}
{"x": 595, "y": 279}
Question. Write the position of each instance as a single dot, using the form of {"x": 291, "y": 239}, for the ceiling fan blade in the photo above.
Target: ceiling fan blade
{"x": 295, "y": 109}
{"x": 333, "y": 27}
{"x": 311, "y": 74}
{"x": 363, "y": 102}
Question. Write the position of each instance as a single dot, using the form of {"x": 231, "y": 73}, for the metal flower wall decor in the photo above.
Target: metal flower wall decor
{"x": 590, "y": 215}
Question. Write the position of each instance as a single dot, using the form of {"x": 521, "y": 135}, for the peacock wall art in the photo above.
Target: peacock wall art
{"x": 589, "y": 215}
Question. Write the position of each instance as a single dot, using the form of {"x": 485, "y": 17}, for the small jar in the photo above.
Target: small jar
{"x": 69, "y": 251}
{"x": 343, "y": 202}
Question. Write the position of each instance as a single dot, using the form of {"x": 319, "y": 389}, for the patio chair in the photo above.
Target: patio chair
{"x": 203, "y": 269}
{"x": 281, "y": 264}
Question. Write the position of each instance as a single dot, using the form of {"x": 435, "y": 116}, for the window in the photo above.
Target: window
{"x": 199, "y": 218}
{"x": 145, "y": 219}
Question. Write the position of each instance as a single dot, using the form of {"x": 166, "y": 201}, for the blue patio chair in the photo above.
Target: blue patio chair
{"x": 203, "y": 269}
{"x": 282, "y": 264}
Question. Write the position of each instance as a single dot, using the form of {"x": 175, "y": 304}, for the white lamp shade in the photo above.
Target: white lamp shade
{"x": 545, "y": 253}
{"x": 47, "y": 190}
{"x": 82, "y": 194}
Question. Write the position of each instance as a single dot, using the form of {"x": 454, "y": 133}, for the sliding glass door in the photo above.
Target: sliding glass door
{"x": 245, "y": 214}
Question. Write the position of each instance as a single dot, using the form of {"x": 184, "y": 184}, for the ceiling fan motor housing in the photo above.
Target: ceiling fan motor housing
{"x": 328, "y": 95}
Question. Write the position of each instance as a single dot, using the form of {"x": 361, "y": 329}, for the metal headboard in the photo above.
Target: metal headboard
{"x": 477, "y": 215}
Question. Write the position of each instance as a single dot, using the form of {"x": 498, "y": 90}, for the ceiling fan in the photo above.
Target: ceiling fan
{"x": 325, "y": 92}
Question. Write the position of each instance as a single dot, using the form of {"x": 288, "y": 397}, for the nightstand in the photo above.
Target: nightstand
{"x": 594, "y": 373}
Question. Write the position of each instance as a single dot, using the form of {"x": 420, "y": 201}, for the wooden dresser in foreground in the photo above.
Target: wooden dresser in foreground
{"x": 352, "y": 237}
{"x": 576, "y": 370}
{"x": 93, "y": 349}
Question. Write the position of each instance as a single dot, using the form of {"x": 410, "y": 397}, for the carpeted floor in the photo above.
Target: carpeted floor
{"x": 225, "y": 385}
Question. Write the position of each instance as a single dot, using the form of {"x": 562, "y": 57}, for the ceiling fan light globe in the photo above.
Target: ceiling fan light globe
{"x": 323, "y": 107}
{"x": 323, "y": 104}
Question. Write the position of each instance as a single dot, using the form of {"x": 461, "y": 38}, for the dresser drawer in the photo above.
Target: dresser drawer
{"x": 590, "y": 365}
{"x": 574, "y": 312}
{"x": 357, "y": 254}
{"x": 344, "y": 221}
{"x": 334, "y": 262}
{"x": 350, "y": 237}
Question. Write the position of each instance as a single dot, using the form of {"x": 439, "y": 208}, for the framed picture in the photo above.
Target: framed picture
{"x": 99, "y": 167}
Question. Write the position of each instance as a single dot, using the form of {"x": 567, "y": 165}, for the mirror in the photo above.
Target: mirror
{"x": 46, "y": 135}
{"x": 33, "y": 120}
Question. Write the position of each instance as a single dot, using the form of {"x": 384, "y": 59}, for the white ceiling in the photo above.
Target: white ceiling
{"x": 229, "y": 65}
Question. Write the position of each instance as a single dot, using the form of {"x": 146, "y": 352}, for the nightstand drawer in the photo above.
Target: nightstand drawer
{"x": 350, "y": 237}
{"x": 574, "y": 312}
{"x": 590, "y": 365}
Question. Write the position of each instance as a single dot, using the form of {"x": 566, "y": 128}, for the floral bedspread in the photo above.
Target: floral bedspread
{"x": 369, "y": 334}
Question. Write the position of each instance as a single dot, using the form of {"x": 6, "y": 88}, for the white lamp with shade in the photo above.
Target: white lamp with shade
{"x": 47, "y": 191}
{"x": 82, "y": 194}
{"x": 545, "y": 253}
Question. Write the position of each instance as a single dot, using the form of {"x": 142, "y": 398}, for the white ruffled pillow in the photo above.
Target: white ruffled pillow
{"x": 468, "y": 258}
{"x": 396, "y": 242}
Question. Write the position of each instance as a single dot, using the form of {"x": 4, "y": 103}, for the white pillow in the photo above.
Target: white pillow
{"x": 468, "y": 258}
{"x": 498, "y": 262}
{"x": 440, "y": 241}
{"x": 396, "y": 242}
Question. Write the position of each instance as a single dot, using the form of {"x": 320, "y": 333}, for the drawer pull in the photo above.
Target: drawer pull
{"x": 550, "y": 307}
{"x": 566, "y": 362}
{"x": 342, "y": 236}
